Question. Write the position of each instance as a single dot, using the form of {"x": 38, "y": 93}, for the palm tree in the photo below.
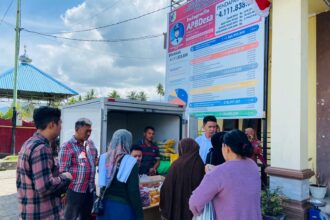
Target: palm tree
{"x": 114, "y": 94}
{"x": 160, "y": 91}
{"x": 142, "y": 96}
{"x": 132, "y": 95}
{"x": 72, "y": 101}
{"x": 90, "y": 95}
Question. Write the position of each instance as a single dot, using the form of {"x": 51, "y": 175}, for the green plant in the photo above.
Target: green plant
{"x": 114, "y": 94}
{"x": 11, "y": 158}
{"x": 271, "y": 202}
{"x": 321, "y": 181}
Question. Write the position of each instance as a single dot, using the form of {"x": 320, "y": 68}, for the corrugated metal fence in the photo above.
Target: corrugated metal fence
{"x": 23, "y": 133}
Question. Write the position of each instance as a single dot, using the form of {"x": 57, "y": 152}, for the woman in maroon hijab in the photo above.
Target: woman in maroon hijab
{"x": 183, "y": 177}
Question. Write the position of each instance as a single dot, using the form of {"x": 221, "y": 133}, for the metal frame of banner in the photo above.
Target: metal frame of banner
{"x": 264, "y": 177}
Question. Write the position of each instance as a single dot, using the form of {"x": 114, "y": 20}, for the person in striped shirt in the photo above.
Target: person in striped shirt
{"x": 150, "y": 153}
{"x": 79, "y": 156}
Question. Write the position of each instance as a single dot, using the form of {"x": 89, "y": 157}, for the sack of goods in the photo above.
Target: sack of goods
{"x": 166, "y": 149}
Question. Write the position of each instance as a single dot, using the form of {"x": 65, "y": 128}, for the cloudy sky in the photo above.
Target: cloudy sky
{"x": 124, "y": 66}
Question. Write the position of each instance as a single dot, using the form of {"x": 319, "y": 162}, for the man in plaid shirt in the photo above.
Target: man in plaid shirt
{"x": 38, "y": 185}
{"x": 79, "y": 157}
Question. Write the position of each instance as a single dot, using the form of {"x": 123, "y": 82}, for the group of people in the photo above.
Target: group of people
{"x": 218, "y": 168}
{"x": 63, "y": 187}
{"x": 210, "y": 169}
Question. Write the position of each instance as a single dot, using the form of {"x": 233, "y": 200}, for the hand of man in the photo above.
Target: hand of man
{"x": 63, "y": 200}
{"x": 152, "y": 171}
{"x": 68, "y": 175}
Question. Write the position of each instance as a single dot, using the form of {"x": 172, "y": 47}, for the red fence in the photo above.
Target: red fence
{"x": 23, "y": 133}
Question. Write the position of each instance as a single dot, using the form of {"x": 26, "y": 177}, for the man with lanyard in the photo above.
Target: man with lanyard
{"x": 150, "y": 158}
{"x": 204, "y": 141}
{"x": 79, "y": 156}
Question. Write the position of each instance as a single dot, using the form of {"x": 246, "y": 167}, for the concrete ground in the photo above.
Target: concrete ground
{"x": 8, "y": 195}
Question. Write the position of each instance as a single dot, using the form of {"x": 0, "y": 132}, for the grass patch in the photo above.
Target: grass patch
{"x": 11, "y": 158}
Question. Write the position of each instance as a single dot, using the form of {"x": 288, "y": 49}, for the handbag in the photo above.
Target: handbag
{"x": 208, "y": 213}
{"x": 98, "y": 206}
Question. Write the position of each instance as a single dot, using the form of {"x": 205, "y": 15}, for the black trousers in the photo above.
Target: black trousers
{"x": 78, "y": 205}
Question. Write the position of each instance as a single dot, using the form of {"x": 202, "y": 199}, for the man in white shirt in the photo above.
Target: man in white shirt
{"x": 204, "y": 141}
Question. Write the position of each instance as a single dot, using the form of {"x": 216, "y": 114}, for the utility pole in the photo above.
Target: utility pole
{"x": 17, "y": 45}
{"x": 177, "y": 3}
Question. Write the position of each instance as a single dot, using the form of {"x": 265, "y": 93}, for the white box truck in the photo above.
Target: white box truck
{"x": 108, "y": 115}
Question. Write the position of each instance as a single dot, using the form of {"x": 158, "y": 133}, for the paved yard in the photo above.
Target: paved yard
{"x": 8, "y": 195}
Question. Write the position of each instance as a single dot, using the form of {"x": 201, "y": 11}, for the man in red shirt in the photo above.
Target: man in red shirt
{"x": 150, "y": 153}
{"x": 79, "y": 157}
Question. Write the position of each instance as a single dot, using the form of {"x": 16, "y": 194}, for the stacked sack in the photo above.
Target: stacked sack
{"x": 166, "y": 149}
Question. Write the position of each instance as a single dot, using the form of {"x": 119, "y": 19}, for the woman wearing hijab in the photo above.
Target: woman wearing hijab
{"x": 183, "y": 177}
{"x": 234, "y": 187}
{"x": 215, "y": 157}
{"x": 256, "y": 144}
{"x": 118, "y": 176}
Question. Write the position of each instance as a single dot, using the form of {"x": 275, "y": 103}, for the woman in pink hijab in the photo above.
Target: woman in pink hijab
{"x": 256, "y": 144}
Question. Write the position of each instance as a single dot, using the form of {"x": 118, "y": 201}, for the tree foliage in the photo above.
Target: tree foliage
{"x": 114, "y": 94}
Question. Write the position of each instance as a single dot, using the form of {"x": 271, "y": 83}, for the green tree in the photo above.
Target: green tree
{"x": 9, "y": 114}
{"x": 114, "y": 94}
{"x": 27, "y": 111}
{"x": 160, "y": 91}
{"x": 55, "y": 104}
{"x": 72, "y": 101}
{"x": 90, "y": 95}
{"x": 80, "y": 99}
{"x": 142, "y": 96}
{"x": 133, "y": 95}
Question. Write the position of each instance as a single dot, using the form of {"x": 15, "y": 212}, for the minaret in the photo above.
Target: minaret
{"x": 24, "y": 59}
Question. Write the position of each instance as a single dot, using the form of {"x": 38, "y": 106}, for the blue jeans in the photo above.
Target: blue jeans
{"x": 116, "y": 211}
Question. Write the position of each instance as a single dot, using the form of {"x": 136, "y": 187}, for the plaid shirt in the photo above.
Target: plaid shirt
{"x": 80, "y": 161}
{"x": 38, "y": 186}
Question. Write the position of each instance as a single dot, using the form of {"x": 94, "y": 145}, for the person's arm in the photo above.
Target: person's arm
{"x": 155, "y": 167}
{"x": 204, "y": 193}
{"x": 209, "y": 157}
{"x": 95, "y": 153}
{"x": 153, "y": 170}
{"x": 65, "y": 158}
{"x": 133, "y": 190}
{"x": 102, "y": 170}
{"x": 44, "y": 181}
{"x": 157, "y": 160}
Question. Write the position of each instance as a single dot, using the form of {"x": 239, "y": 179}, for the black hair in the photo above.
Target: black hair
{"x": 82, "y": 122}
{"x": 149, "y": 127}
{"x": 209, "y": 118}
{"x": 136, "y": 147}
{"x": 238, "y": 143}
{"x": 44, "y": 115}
{"x": 217, "y": 139}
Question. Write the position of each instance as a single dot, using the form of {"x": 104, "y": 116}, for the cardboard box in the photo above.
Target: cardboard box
{"x": 151, "y": 181}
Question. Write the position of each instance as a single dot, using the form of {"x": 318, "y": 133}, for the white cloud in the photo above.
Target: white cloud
{"x": 124, "y": 66}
